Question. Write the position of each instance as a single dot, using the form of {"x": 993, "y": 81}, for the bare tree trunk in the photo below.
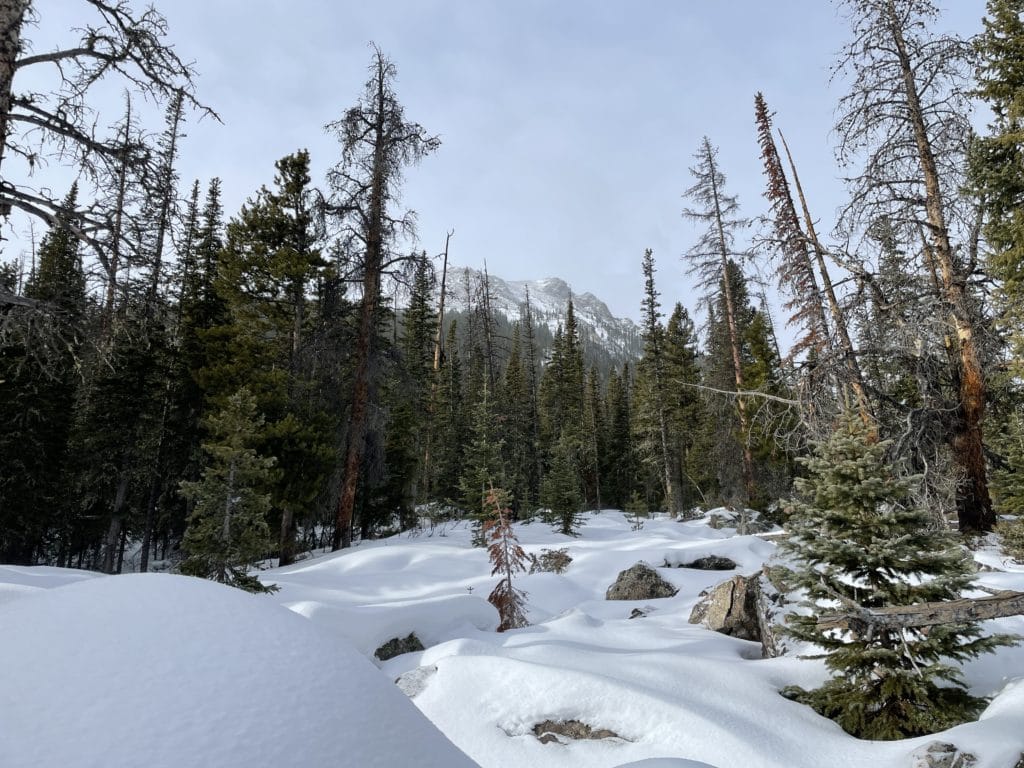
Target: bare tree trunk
{"x": 734, "y": 343}
{"x": 166, "y": 193}
{"x": 12, "y": 16}
{"x": 974, "y": 506}
{"x": 440, "y": 304}
{"x": 111, "y": 540}
{"x": 114, "y": 260}
{"x": 855, "y": 376}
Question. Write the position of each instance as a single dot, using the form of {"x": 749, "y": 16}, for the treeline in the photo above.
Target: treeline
{"x": 187, "y": 387}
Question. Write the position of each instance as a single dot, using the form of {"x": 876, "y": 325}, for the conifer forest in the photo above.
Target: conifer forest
{"x": 192, "y": 389}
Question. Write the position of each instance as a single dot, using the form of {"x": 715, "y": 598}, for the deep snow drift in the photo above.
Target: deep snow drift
{"x": 163, "y": 670}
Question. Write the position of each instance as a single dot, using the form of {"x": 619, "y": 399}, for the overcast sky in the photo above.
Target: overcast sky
{"x": 567, "y": 127}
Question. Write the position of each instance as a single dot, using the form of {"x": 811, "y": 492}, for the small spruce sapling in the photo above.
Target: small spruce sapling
{"x": 508, "y": 559}
{"x": 858, "y": 541}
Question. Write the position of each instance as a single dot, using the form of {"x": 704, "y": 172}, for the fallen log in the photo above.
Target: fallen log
{"x": 865, "y": 622}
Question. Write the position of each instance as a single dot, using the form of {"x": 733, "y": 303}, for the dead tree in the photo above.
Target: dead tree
{"x": 905, "y": 121}
{"x": 376, "y": 143}
{"x": 59, "y": 126}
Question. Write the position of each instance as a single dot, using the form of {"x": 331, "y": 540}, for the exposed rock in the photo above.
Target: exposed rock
{"x": 641, "y": 582}
{"x": 940, "y": 754}
{"x": 730, "y": 608}
{"x": 414, "y": 681}
{"x": 636, "y": 613}
{"x": 743, "y": 607}
{"x": 710, "y": 563}
{"x": 745, "y": 521}
{"x": 550, "y": 561}
{"x": 563, "y": 731}
{"x": 396, "y": 646}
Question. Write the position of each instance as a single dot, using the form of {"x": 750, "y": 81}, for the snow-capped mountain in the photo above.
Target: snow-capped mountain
{"x": 605, "y": 338}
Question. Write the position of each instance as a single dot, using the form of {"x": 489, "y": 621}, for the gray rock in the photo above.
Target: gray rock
{"x": 564, "y": 731}
{"x": 641, "y": 582}
{"x": 745, "y": 607}
{"x": 396, "y": 646}
{"x": 730, "y": 608}
{"x": 941, "y": 754}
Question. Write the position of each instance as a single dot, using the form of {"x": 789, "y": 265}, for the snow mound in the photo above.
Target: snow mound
{"x": 170, "y": 671}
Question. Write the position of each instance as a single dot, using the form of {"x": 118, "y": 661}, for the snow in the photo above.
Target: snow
{"x": 168, "y": 670}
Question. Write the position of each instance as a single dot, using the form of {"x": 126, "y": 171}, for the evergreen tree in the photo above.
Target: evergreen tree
{"x": 449, "y": 429}
{"x": 687, "y": 412}
{"x": 483, "y": 466}
{"x": 712, "y": 259}
{"x": 560, "y": 489}
{"x": 858, "y": 540}
{"x": 652, "y": 411}
{"x": 40, "y": 358}
{"x": 618, "y": 472}
{"x": 227, "y": 530}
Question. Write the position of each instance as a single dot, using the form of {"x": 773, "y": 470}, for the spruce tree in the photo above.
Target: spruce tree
{"x": 39, "y": 379}
{"x": 858, "y": 539}
{"x": 227, "y": 530}
{"x": 483, "y": 466}
{"x": 560, "y": 490}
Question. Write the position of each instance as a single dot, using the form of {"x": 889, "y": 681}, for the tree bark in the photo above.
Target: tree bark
{"x": 974, "y": 506}
{"x": 12, "y": 16}
{"x": 895, "y": 617}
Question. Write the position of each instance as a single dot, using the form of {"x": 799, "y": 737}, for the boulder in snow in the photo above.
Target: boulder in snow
{"x": 940, "y": 754}
{"x": 396, "y": 646}
{"x": 564, "y": 731}
{"x": 641, "y": 582}
{"x": 730, "y": 608}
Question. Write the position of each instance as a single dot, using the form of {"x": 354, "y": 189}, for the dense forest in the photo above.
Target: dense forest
{"x": 206, "y": 389}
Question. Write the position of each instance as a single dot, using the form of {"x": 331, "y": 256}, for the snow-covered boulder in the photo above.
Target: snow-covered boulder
{"x": 170, "y": 671}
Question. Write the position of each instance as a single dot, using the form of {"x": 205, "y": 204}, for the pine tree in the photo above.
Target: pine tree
{"x": 858, "y": 540}
{"x": 652, "y": 412}
{"x": 618, "y": 472}
{"x": 687, "y": 414}
{"x": 508, "y": 559}
{"x": 39, "y": 379}
{"x": 712, "y": 259}
{"x": 560, "y": 490}
{"x": 483, "y": 466}
{"x": 227, "y": 530}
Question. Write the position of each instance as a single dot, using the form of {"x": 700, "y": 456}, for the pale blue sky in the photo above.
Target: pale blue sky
{"x": 568, "y": 127}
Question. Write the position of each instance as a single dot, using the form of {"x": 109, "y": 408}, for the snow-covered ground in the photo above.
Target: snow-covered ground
{"x": 169, "y": 671}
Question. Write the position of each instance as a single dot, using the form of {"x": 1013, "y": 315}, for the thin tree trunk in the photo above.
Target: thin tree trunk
{"x": 974, "y": 506}
{"x": 854, "y": 374}
{"x": 734, "y": 342}
{"x": 114, "y": 261}
{"x": 110, "y": 541}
